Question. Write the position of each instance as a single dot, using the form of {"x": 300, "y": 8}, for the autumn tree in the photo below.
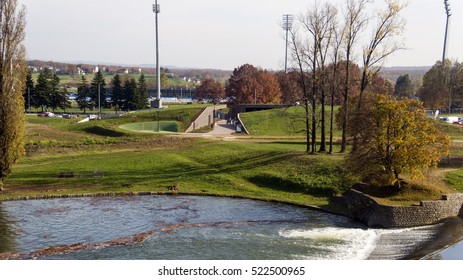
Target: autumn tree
{"x": 396, "y": 138}
{"x": 12, "y": 83}
{"x": 248, "y": 85}
{"x": 211, "y": 90}
{"x": 291, "y": 91}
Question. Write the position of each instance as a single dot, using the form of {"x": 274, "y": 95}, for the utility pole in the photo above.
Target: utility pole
{"x": 157, "y": 10}
{"x": 287, "y": 25}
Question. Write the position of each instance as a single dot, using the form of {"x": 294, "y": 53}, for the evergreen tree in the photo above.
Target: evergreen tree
{"x": 58, "y": 96}
{"x": 142, "y": 93}
{"x": 44, "y": 88}
{"x": 404, "y": 87}
{"x": 117, "y": 97}
{"x": 130, "y": 93}
{"x": 83, "y": 92}
{"x": 29, "y": 91}
{"x": 98, "y": 89}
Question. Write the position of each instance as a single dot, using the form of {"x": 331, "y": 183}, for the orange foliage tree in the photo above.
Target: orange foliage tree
{"x": 210, "y": 89}
{"x": 249, "y": 84}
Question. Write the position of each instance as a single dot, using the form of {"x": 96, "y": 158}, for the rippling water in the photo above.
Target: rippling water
{"x": 181, "y": 227}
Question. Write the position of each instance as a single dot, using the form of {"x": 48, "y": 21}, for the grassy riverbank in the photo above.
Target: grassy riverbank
{"x": 64, "y": 157}
{"x": 273, "y": 171}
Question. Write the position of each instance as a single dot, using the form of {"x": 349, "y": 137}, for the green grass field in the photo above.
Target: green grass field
{"x": 101, "y": 157}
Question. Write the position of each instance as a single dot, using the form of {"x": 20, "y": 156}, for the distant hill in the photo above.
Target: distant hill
{"x": 75, "y": 68}
{"x": 415, "y": 72}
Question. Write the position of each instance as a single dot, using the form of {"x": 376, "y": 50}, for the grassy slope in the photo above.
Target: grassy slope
{"x": 278, "y": 122}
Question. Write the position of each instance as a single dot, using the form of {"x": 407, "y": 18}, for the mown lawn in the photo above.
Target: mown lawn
{"x": 270, "y": 171}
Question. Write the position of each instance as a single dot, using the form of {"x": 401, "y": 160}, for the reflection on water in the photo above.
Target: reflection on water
{"x": 7, "y": 233}
{"x": 165, "y": 227}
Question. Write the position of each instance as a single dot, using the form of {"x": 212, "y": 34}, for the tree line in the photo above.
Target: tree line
{"x": 324, "y": 72}
{"x": 47, "y": 93}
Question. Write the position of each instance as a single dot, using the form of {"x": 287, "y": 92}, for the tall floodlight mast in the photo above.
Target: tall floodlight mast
{"x": 448, "y": 12}
{"x": 157, "y": 10}
{"x": 287, "y": 25}
{"x": 444, "y": 52}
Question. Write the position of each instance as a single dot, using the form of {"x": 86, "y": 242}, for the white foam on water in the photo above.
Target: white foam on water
{"x": 337, "y": 243}
{"x": 342, "y": 243}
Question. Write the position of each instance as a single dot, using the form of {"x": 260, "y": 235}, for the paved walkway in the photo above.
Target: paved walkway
{"x": 222, "y": 128}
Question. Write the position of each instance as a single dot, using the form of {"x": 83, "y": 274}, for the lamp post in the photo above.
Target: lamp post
{"x": 287, "y": 25}
{"x": 99, "y": 102}
{"x": 157, "y": 10}
{"x": 29, "y": 99}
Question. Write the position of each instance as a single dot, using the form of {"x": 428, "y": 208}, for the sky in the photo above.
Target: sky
{"x": 216, "y": 34}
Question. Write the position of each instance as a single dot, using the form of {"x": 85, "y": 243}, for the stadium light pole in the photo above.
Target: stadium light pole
{"x": 287, "y": 25}
{"x": 444, "y": 52}
{"x": 157, "y": 10}
{"x": 449, "y": 14}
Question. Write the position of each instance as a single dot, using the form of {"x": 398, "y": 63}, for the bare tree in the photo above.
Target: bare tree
{"x": 12, "y": 83}
{"x": 389, "y": 25}
{"x": 338, "y": 38}
{"x": 297, "y": 52}
{"x": 318, "y": 25}
{"x": 355, "y": 22}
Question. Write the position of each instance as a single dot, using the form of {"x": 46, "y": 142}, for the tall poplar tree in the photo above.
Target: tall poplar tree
{"x": 12, "y": 83}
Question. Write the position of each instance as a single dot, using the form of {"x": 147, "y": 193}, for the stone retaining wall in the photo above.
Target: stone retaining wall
{"x": 365, "y": 209}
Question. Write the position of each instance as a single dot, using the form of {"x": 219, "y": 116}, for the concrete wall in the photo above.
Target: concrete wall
{"x": 367, "y": 210}
{"x": 205, "y": 118}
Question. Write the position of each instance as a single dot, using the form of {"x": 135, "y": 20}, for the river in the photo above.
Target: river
{"x": 192, "y": 227}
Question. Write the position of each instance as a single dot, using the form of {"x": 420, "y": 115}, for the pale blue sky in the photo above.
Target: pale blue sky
{"x": 220, "y": 34}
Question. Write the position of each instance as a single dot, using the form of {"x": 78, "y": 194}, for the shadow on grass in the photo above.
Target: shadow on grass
{"x": 101, "y": 131}
{"x": 294, "y": 185}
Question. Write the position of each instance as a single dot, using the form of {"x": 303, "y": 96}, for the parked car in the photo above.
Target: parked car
{"x": 69, "y": 116}
{"x": 92, "y": 117}
{"x": 46, "y": 114}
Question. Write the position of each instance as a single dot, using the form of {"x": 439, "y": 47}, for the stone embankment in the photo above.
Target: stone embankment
{"x": 367, "y": 210}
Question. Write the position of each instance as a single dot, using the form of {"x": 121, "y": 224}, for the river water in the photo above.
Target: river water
{"x": 190, "y": 227}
